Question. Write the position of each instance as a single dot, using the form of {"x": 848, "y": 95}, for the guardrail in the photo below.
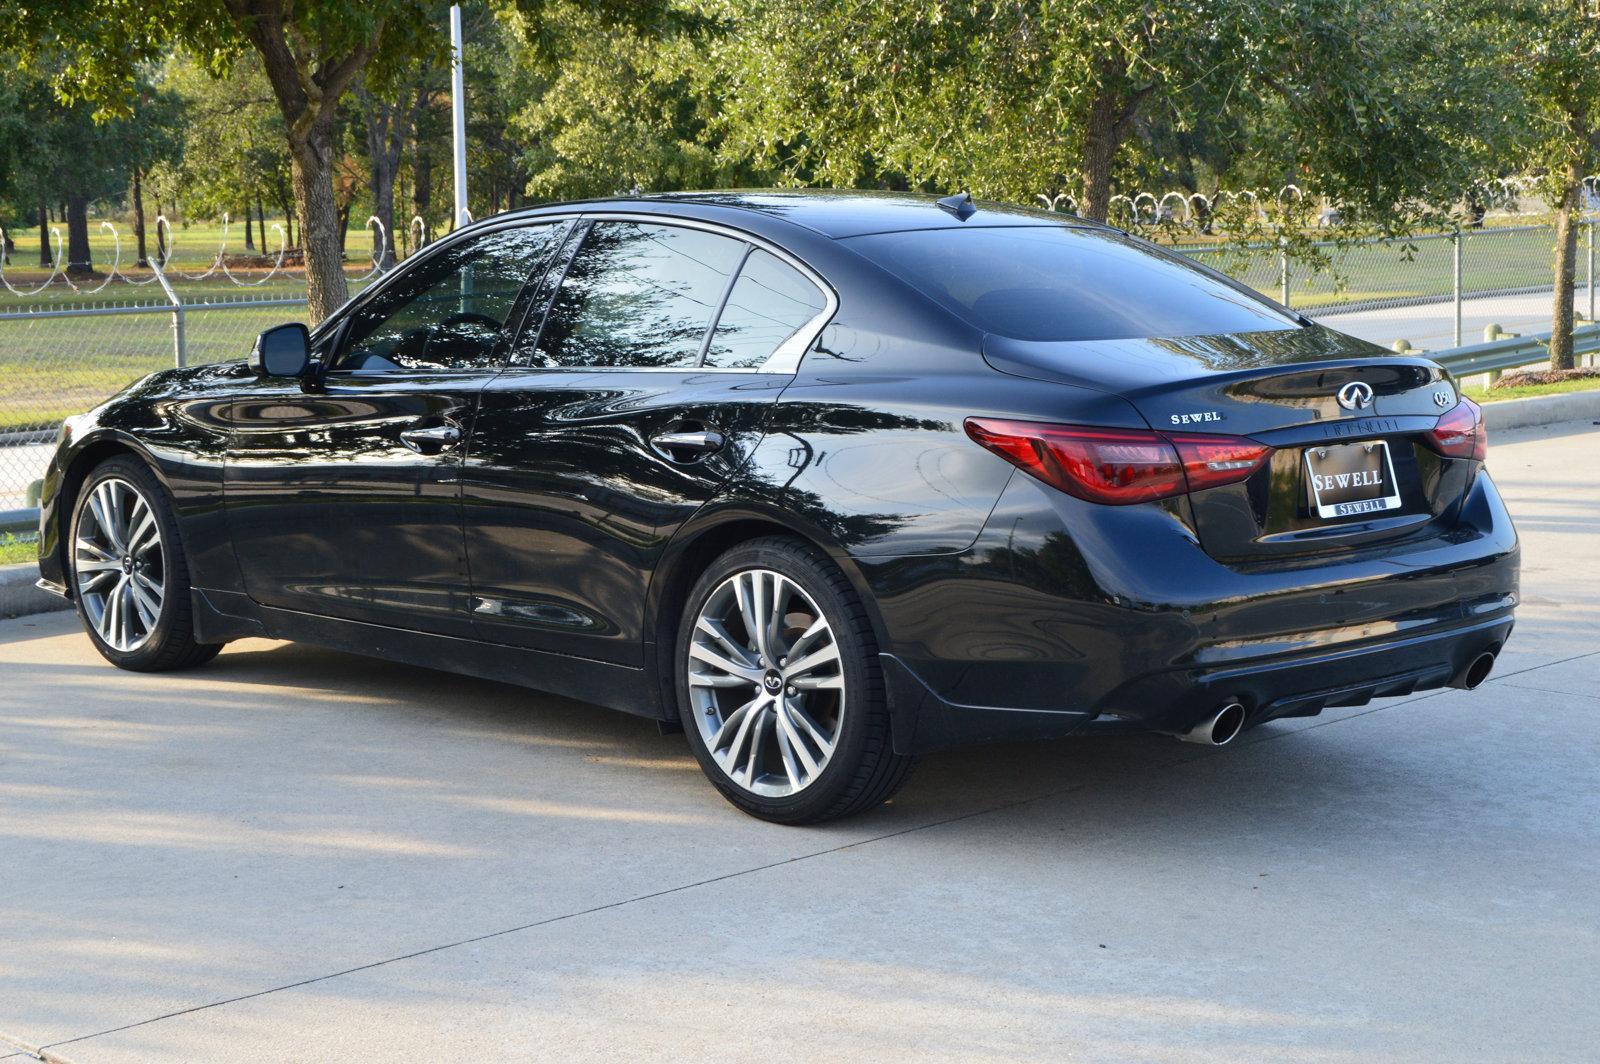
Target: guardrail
{"x": 1498, "y": 355}
{"x": 1492, "y": 357}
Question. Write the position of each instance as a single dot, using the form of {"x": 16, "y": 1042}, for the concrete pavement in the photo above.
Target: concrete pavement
{"x": 292, "y": 854}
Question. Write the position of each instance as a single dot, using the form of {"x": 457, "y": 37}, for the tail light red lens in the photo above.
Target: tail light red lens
{"x": 1119, "y": 466}
{"x": 1461, "y": 432}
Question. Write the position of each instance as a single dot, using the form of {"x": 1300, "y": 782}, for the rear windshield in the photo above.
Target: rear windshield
{"x": 1061, "y": 283}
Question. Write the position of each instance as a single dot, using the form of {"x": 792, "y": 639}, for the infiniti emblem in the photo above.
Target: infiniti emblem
{"x": 1357, "y": 395}
{"x": 772, "y": 681}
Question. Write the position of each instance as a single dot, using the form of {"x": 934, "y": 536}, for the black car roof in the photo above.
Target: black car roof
{"x": 839, "y": 213}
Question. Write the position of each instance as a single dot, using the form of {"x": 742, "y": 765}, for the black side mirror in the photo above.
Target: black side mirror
{"x": 282, "y": 351}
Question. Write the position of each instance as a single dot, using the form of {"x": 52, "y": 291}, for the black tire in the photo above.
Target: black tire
{"x": 862, "y": 771}
{"x": 169, "y": 642}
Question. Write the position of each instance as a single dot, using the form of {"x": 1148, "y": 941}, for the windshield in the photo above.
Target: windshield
{"x": 1057, "y": 282}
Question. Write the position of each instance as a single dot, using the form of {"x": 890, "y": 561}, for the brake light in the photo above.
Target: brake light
{"x": 1119, "y": 466}
{"x": 1461, "y": 432}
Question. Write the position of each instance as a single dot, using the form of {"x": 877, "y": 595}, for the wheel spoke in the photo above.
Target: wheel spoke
{"x": 100, "y": 510}
{"x": 758, "y": 722}
{"x": 753, "y": 609}
{"x": 95, "y": 551}
{"x": 803, "y": 641}
{"x": 785, "y": 750}
{"x": 148, "y": 605}
{"x": 822, "y": 656}
{"x": 793, "y": 739}
{"x": 144, "y": 535}
{"x": 717, "y": 631}
{"x": 749, "y": 715}
{"x": 108, "y": 615}
{"x": 814, "y": 731}
{"x": 731, "y": 722}
{"x": 701, "y": 652}
{"x": 774, "y": 620}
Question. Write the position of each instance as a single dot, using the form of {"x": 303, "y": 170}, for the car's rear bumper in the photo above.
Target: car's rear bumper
{"x": 1061, "y": 616}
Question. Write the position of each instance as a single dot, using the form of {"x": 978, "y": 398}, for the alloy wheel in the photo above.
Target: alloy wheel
{"x": 766, "y": 683}
{"x": 117, "y": 563}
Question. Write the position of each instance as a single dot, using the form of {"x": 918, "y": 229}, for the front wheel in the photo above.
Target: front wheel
{"x": 130, "y": 578}
{"x": 780, "y": 686}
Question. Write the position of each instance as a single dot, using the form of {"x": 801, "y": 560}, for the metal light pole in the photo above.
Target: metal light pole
{"x": 458, "y": 114}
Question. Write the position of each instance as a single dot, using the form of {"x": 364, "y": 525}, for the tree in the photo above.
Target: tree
{"x": 61, "y": 152}
{"x": 311, "y": 52}
{"x": 608, "y": 112}
{"x": 1554, "y": 65}
{"x": 1015, "y": 99}
{"x": 235, "y": 155}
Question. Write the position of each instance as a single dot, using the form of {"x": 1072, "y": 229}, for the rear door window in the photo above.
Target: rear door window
{"x": 638, "y": 295}
{"x": 1057, "y": 282}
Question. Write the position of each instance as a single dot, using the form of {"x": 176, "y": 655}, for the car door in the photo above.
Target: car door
{"x": 343, "y": 496}
{"x": 663, "y": 349}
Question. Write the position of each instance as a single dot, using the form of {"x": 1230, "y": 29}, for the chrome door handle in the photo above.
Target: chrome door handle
{"x": 702, "y": 442}
{"x": 442, "y": 435}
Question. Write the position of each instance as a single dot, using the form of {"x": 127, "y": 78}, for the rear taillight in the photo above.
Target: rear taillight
{"x": 1461, "y": 432}
{"x": 1119, "y": 466}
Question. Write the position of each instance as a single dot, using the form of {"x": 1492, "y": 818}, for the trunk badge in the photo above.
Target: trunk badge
{"x": 1357, "y": 395}
{"x": 1441, "y": 399}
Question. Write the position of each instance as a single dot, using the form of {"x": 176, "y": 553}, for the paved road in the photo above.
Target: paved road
{"x": 1431, "y": 326}
{"x": 300, "y": 855}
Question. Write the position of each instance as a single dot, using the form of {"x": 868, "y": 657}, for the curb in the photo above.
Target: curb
{"x": 18, "y": 595}
{"x": 1541, "y": 410}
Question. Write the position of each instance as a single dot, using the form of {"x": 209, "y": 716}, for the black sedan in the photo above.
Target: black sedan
{"x": 826, "y": 479}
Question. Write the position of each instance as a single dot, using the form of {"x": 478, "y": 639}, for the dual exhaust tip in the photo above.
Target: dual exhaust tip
{"x": 1224, "y": 726}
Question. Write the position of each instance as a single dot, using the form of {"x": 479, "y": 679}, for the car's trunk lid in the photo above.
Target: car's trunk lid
{"x": 1282, "y": 388}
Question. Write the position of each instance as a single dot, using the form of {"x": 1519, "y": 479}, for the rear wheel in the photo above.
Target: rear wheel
{"x": 130, "y": 579}
{"x": 780, "y": 686}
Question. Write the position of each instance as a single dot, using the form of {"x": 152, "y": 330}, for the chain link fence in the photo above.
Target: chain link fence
{"x": 62, "y": 355}
{"x": 58, "y": 360}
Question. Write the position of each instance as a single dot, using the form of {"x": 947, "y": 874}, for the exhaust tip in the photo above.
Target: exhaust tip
{"x": 1474, "y": 674}
{"x": 1220, "y": 729}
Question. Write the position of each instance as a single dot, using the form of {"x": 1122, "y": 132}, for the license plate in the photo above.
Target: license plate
{"x": 1351, "y": 478}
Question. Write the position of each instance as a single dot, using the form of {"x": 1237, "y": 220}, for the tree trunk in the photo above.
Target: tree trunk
{"x": 249, "y": 229}
{"x": 312, "y": 172}
{"x": 138, "y": 215}
{"x": 161, "y": 236}
{"x": 344, "y": 226}
{"x": 46, "y": 260}
{"x": 1110, "y": 116}
{"x": 422, "y": 194}
{"x": 79, "y": 258}
{"x": 1566, "y": 258}
{"x": 386, "y": 136}
{"x": 261, "y": 221}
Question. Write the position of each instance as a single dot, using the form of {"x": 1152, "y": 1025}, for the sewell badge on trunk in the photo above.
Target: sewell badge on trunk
{"x": 1352, "y": 478}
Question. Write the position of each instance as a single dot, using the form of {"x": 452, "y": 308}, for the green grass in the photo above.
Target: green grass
{"x": 14, "y": 549}
{"x": 1494, "y": 395}
{"x": 1491, "y": 259}
{"x": 194, "y": 248}
{"x": 54, "y": 367}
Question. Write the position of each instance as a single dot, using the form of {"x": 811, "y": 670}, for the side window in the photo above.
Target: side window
{"x": 638, "y": 295}
{"x": 770, "y": 302}
{"x": 449, "y": 312}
